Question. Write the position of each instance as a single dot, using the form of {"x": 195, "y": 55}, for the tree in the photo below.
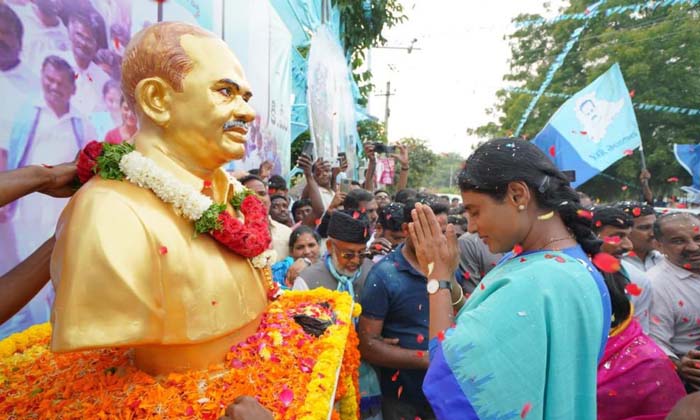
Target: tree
{"x": 422, "y": 161}
{"x": 659, "y": 54}
{"x": 444, "y": 175}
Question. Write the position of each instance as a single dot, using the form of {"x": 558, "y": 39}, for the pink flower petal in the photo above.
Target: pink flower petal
{"x": 286, "y": 396}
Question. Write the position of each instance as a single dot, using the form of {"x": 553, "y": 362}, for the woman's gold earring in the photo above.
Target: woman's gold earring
{"x": 521, "y": 207}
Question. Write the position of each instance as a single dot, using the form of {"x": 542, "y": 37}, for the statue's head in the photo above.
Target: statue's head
{"x": 187, "y": 83}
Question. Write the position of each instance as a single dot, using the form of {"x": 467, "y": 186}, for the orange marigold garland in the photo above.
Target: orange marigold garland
{"x": 36, "y": 383}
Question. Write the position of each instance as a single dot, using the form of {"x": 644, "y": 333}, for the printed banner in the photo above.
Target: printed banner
{"x": 330, "y": 102}
{"x": 593, "y": 129}
{"x": 688, "y": 155}
{"x": 263, "y": 45}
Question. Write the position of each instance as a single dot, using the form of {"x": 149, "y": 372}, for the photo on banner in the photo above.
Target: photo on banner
{"x": 62, "y": 70}
{"x": 263, "y": 45}
{"x": 593, "y": 129}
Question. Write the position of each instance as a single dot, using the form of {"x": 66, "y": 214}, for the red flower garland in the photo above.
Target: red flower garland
{"x": 247, "y": 239}
{"x": 87, "y": 161}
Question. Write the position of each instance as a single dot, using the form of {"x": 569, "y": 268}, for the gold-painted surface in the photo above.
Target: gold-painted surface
{"x": 128, "y": 271}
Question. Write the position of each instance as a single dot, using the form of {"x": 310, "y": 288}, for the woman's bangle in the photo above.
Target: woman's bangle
{"x": 461, "y": 298}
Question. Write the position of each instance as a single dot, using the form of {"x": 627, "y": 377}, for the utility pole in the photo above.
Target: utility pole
{"x": 387, "y": 110}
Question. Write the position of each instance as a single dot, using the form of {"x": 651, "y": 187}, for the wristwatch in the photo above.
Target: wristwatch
{"x": 434, "y": 286}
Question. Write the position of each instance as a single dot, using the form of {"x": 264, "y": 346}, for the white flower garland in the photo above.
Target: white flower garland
{"x": 186, "y": 200}
{"x": 143, "y": 172}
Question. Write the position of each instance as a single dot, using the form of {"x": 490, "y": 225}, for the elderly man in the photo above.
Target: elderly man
{"x": 347, "y": 263}
{"x": 675, "y": 302}
{"x": 127, "y": 268}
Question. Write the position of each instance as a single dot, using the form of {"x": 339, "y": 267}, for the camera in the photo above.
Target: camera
{"x": 383, "y": 148}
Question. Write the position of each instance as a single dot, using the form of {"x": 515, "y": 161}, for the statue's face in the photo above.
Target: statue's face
{"x": 210, "y": 117}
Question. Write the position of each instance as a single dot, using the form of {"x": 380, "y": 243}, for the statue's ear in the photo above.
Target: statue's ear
{"x": 153, "y": 96}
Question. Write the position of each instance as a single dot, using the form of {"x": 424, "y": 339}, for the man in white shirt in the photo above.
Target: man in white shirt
{"x": 280, "y": 233}
{"x": 675, "y": 302}
{"x": 644, "y": 255}
{"x": 44, "y": 32}
{"x": 87, "y": 34}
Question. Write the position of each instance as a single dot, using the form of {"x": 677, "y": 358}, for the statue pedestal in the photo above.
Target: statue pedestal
{"x": 285, "y": 365}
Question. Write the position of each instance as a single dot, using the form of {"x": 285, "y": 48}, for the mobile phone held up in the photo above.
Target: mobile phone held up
{"x": 308, "y": 149}
{"x": 341, "y": 158}
{"x": 345, "y": 185}
{"x": 384, "y": 148}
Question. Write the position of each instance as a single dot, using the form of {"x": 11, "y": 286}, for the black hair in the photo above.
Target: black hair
{"x": 458, "y": 220}
{"x": 304, "y": 202}
{"x": 59, "y": 64}
{"x": 8, "y": 15}
{"x": 392, "y": 216}
{"x": 457, "y": 210}
{"x": 356, "y": 183}
{"x": 635, "y": 208}
{"x": 658, "y": 233}
{"x": 436, "y": 207}
{"x": 296, "y": 233}
{"x": 90, "y": 18}
{"x": 274, "y": 197}
{"x": 610, "y": 216}
{"x": 499, "y": 162}
{"x": 354, "y": 197}
{"x": 250, "y": 177}
{"x": 445, "y": 196}
{"x": 382, "y": 191}
{"x": 255, "y": 171}
{"x": 403, "y": 196}
{"x": 277, "y": 182}
{"x": 454, "y": 199}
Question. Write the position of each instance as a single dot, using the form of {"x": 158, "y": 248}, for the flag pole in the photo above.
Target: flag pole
{"x": 641, "y": 154}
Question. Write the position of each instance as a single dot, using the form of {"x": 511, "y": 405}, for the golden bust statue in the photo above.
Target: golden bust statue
{"x": 127, "y": 269}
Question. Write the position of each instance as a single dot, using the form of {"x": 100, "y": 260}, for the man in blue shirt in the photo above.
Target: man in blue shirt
{"x": 395, "y": 306}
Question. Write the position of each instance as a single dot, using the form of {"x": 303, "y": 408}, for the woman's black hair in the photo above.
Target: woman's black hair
{"x": 296, "y": 233}
{"x": 499, "y": 162}
{"x": 610, "y": 216}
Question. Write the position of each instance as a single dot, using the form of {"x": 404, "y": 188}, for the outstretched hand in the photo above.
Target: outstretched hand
{"x": 437, "y": 253}
{"x": 246, "y": 408}
{"x": 59, "y": 180}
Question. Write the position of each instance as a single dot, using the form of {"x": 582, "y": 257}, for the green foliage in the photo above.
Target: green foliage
{"x": 210, "y": 219}
{"x": 372, "y": 131}
{"x": 659, "y": 54}
{"x": 362, "y": 29}
{"x": 108, "y": 161}
{"x": 444, "y": 175}
{"x": 422, "y": 161}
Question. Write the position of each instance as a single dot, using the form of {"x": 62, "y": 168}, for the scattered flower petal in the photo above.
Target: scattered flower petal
{"x": 420, "y": 338}
{"x": 584, "y": 214}
{"x": 612, "y": 240}
{"x": 395, "y": 376}
{"x": 441, "y": 335}
{"x": 628, "y": 152}
{"x": 552, "y": 151}
{"x": 636, "y": 212}
{"x": 672, "y": 179}
{"x": 163, "y": 250}
{"x": 286, "y": 396}
{"x": 633, "y": 289}
{"x": 517, "y": 249}
{"x": 606, "y": 262}
{"x": 526, "y": 409}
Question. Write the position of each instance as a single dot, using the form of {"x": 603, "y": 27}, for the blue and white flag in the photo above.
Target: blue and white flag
{"x": 593, "y": 129}
{"x": 688, "y": 155}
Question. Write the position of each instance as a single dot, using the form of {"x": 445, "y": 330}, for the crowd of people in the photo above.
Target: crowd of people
{"x": 534, "y": 306}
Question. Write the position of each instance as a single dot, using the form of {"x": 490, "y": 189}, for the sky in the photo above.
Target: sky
{"x": 445, "y": 84}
